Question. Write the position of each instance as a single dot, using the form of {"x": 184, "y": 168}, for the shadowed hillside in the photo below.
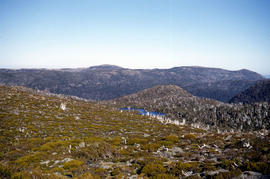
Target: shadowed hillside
{"x": 260, "y": 92}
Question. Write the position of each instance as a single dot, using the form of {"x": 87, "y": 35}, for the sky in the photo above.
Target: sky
{"x": 229, "y": 34}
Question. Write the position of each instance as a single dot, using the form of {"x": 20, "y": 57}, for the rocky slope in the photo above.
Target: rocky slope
{"x": 181, "y": 105}
{"x": 260, "y": 92}
{"x": 44, "y": 135}
{"x": 109, "y": 82}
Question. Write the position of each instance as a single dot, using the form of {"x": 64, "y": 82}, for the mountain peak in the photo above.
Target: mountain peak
{"x": 105, "y": 66}
{"x": 159, "y": 92}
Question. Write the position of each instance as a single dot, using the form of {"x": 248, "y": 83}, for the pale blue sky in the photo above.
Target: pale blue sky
{"x": 230, "y": 34}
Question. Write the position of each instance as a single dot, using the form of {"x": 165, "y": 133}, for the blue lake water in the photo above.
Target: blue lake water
{"x": 143, "y": 112}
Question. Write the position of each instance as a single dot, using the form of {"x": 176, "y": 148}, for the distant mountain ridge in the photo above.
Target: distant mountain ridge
{"x": 259, "y": 92}
{"x": 108, "y": 81}
{"x": 178, "y": 104}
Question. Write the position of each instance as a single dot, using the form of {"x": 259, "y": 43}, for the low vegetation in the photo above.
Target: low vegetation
{"x": 49, "y": 136}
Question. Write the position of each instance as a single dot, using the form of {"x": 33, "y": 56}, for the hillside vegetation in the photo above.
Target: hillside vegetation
{"x": 49, "y": 136}
{"x": 178, "y": 104}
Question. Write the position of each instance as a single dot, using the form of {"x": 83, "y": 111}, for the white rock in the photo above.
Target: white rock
{"x": 247, "y": 145}
{"x": 45, "y": 162}
{"x": 82, "y": 145}
{"x": 63, "y": 106}
{"x": 66, "y": 159}
{"x": 187, "y": 174}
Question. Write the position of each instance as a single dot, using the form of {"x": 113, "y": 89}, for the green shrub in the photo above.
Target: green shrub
{"x": 227, "y": 175}
{"x": 14, "y": 154}
{"x": 33, "y": 174}
{"x": 46, "y": 147}
{"x": 116, "y": 141}
{"x": 181, "y": 166}
{"x": 226, "y": 164}
{"x": 261, "y": 167}
{"x": 101, "y": 172}
{"x": 172, "y": 138}
{"x": 193, "y": 177}
{"x": 166, "y": 143}
{"x": 21, "y": 175}
{"x": 190, "y": 136}
{"x": 222, "y": 175}
{"x": 235, "y": 172}
{"x": 31, "y": 159}
{"x": 163, "y": 176}
{"x": 115, "y": 171}
{"x": 86, "y": 175}
{"x": 209, "y": 167}
{"x": 153, "y": 169}
{"x": 57, "y": 169}
{"x": 136, "y": 140}
{"x": 35, "y": 141}
{"x": 96, "y": 151}
{"x": 73, "y": 164}
{"x": 151, "y": 147}
{"x": 53, "y": 145}
{"x": 4, "y": 172}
